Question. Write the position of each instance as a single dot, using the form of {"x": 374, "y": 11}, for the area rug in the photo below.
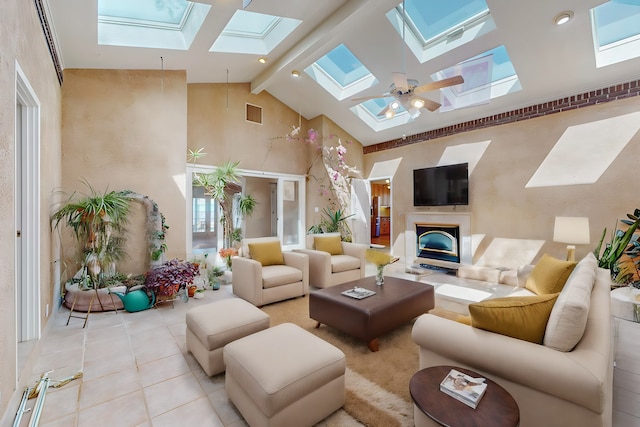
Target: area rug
{"x": 377, "y": 383}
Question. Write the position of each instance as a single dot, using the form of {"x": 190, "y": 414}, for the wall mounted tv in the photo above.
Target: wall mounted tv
{"x": 441, "y": 185}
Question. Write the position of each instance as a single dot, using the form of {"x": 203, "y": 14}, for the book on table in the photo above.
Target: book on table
{"x": 464, "y": 388}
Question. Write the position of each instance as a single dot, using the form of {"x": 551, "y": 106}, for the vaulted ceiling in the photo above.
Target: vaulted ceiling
{"x": 550, "y": 61}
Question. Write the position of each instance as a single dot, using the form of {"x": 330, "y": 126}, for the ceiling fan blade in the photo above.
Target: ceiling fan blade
{"x": 451, "y": 81}
{"x": 400, "y": 81}
{"x": 429, "y": 104}
{"x": 366, "y": 98}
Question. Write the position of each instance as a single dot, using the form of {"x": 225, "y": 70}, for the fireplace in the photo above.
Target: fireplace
{"x": 438, "y": 241}
{"x": 438, "y": 238}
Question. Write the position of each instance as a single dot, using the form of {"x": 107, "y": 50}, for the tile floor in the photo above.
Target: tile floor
{"x": 136, "y": 371}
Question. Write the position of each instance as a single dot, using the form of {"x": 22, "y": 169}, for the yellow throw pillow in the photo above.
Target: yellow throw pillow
{"x": 267, "y": 253}
{"x": 331, "y": 244}
{"x": 549, "y": 275}
{"x": 524, "y": 318}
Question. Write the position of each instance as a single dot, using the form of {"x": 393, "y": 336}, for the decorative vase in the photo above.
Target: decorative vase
{"x": 229, "y": 262}
{"x": 215, "y": 285}
{"x": 380, "y": 275}
{"x": 192, "y": 290}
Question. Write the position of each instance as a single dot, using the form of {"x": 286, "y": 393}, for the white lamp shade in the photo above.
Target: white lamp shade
{"x": 572, "y": 230}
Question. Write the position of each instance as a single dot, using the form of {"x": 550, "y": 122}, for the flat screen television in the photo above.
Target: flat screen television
{"x": 441, "y": 185}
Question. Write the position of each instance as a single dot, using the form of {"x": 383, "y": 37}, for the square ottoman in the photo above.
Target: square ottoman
{"x": 284, "y": 376}
{"x": 212, "y": 326}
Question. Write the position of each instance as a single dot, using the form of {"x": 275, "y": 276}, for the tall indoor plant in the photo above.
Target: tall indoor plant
{"x": 223, "y": 184}
{"x": 97, "y": 220}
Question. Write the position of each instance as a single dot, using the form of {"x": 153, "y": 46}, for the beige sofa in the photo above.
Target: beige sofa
{"x": 552, "y": 388}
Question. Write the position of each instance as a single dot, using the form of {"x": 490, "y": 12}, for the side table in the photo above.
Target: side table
{"x": 497, "y": 408}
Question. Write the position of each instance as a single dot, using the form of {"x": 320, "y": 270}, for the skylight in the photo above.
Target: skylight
{"x": 616, "y": 31}
{"x": 168, "y": 24}
{"x": 340, "y": 73}
{"x": 371, "y": 112}
{"x": 253, "y": 33}
{"x": 486, "y": 76}
{"x": 436, "y": 27}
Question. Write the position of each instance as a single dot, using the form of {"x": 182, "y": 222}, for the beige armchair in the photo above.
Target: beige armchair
{"x": 263, "y": 274}
{"x": 332, "y": 261}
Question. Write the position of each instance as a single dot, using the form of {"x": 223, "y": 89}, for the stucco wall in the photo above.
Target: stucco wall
{"x": 22, "y": 41}
{"x": 127, "y": 130}
{"x": 500, "y": 205}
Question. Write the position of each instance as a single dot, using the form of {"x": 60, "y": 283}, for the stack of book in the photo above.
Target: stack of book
{"x": 464, "y": 388}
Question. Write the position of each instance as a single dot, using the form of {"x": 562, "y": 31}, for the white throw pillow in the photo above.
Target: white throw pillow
{"x": 568, "y": 317}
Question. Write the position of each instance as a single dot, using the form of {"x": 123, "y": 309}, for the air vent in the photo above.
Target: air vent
{"x": 253, "y": 114}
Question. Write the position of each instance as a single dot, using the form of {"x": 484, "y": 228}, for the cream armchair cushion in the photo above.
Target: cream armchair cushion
{"x": 327, "y": 270}
{"x": 266, "y": 284}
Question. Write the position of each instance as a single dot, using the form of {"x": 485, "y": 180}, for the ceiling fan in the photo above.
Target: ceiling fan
{"x": 407, "y": 91}
{"x": 407, "y": 94}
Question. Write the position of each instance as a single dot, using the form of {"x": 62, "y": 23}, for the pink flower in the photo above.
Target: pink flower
{"x": 312, "y": 135}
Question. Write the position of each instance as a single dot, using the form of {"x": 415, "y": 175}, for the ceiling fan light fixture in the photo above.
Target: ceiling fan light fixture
{"x": 414, "y": 112}
{"x": 389, "y": 114}
{"x": 563, "y": 17}
{"x": 417, "y": 103}
{"x": 394, "y": 105}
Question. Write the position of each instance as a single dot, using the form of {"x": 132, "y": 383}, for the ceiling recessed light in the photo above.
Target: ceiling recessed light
{"x": 563, "y": 17}
{"x": 295, "y": 73}
{"x": 262, "y": 60}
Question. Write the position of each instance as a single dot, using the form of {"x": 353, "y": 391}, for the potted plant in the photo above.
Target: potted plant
{"x": 213, "y": 276}
{"x": 165, "y": 281}
{"x": 623, "y": 243}
{"x": 333, "y": 222}
{"x": 223, "y": 185}
{"x": 97, "y": 220}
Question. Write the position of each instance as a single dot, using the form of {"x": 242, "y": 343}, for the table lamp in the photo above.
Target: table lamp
{"x": 572, "y": 230}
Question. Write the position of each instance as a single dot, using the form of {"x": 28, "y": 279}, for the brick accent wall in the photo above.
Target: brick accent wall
{"x": 611, "y": 93}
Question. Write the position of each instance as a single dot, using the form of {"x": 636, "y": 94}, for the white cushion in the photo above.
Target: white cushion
{"x": 569, "y": 314}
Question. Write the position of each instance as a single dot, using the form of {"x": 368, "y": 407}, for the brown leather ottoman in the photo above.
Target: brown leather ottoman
{"x": 395, "y": 303}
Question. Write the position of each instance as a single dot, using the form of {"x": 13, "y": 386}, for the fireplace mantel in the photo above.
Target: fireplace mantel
{"x": 462, "y": 220}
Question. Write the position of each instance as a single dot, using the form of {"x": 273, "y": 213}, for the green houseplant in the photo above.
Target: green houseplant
{"x": 97, "y": 221}
{"x": 223, "y": 184}
{"x": 622, "y": 243}
{"x": 333, "y": 222}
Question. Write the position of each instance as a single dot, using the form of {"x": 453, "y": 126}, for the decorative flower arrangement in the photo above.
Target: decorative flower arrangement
{"x": 226, "y": 254}
{"x": 380, "y": 259}
{"x": 167, "y": 279}
{"x": 334, "y": 164}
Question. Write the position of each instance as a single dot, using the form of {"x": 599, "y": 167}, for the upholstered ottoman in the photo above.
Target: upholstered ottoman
{"x": 212, "y": 326}
{"x": 284, "y": 376}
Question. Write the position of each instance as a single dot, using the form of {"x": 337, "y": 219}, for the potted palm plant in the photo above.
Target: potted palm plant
{"x": 97, "y": 221}
{"x": 223, "y": 185}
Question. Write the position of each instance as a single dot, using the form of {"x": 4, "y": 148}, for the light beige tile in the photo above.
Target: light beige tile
{"x": 101, "y": 366}
{"x": 151, "y": 351}
{"x": 228, "y": 413}
{"x": 196, "y": 413}
{"x": 70, "y": 359}
{"x": 170, "y": 394}
{"x": 109, "y": 387}
{"x": 163, "y": 369}
{"x": 128, "y": 410}
{"x": 69, "y": 420}
{"x": 62, "y": 403}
